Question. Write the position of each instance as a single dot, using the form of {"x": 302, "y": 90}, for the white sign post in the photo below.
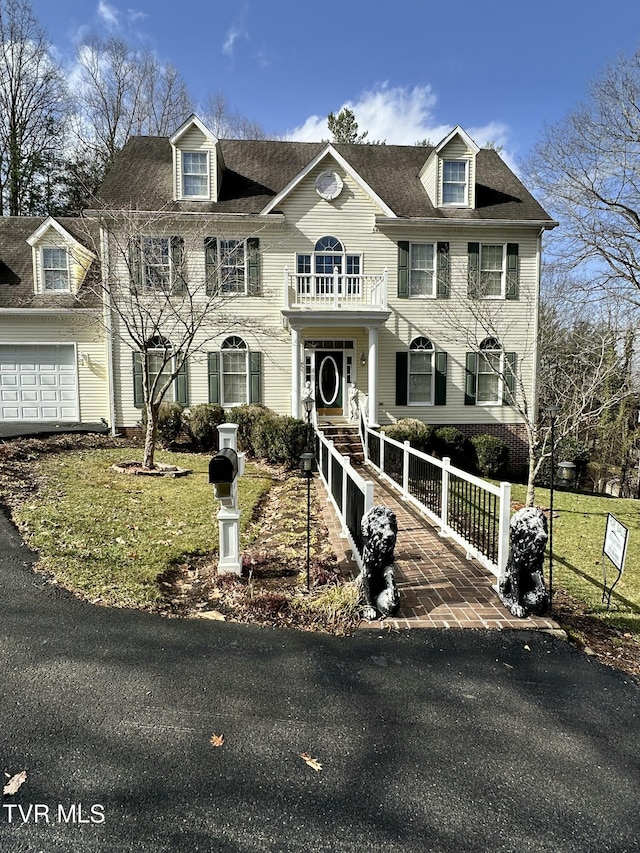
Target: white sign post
{"x": 616, "y": 536}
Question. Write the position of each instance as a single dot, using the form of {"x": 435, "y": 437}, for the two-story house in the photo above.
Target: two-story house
{"x": 411, "y": 272}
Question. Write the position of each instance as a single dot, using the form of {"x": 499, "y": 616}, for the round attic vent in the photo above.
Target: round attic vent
{"x": 329, "y": 185}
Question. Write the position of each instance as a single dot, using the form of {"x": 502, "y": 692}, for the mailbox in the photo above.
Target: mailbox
{"x": 223, "y": 470}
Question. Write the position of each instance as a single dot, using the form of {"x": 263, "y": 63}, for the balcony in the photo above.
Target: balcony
{"x": 335, "y": 292}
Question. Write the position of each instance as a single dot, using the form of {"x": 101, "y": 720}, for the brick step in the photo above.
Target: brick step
{"x": 346, "y": 440}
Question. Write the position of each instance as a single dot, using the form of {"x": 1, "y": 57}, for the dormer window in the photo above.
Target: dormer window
{"x": 55, "y": 266}
{"x": 195, "y": 174}
{"x": 454, "y": 182}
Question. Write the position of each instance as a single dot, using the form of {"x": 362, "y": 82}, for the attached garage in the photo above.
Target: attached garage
{"x": 38, "y": 382}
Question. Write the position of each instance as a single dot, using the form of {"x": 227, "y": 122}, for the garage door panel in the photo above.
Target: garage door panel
{"x": 41, "y": 380}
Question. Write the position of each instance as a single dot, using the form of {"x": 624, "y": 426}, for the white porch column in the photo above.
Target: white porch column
{"x": 373, "y": 375}
{"x": 295, "y": 373}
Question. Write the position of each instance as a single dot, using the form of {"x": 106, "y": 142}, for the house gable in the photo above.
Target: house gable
{"x": 449, "y": 173}
{"x": 60, "y": 262}
{"x": 198, "y": 164}
{"x": 328, "y": 181}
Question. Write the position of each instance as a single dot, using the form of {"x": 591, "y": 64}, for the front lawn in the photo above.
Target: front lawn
{"x": 578, "y": 536}
{"x": 110, "y": 536}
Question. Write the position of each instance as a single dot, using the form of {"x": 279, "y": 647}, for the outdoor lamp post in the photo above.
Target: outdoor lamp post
{"x": 306, "y": 466}
{"x": 566, "y": 473}
{"x": 552, "y": 411}
{"x": 308, "y": 401}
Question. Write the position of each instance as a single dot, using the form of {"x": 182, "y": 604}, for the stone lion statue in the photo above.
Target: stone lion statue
{"x": 379, "y": 532}
{"x": 521, "y": 588}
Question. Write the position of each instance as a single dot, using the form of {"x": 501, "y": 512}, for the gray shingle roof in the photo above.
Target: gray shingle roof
{"x": 257, "y": 170}
{"x": 16, "y": 266}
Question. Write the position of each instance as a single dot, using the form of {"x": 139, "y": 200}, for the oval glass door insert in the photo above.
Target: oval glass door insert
{"x": 329, "y": 380}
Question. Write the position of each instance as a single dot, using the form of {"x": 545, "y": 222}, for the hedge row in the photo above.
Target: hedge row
{"x": 486, "y": 454}
{"x": 277, "y": 438}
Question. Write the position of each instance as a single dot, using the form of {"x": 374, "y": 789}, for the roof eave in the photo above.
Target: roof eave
{"x": 417, "y": 222}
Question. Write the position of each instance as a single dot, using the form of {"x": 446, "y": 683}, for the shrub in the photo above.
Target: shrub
{"x": 492, "y": 454}
{"x": 449, "y": 441}
{"x": 568, "y": 449}
{"x": 279, "y": 438}
{"x": 202, "y": 425}
{"x": 246, "y": 416}
{"x": 417, "y": 433}
{"x": 170, "y": 422}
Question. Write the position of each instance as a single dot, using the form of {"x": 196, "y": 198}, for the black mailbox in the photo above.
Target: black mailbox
{"x": 223, "y": 468}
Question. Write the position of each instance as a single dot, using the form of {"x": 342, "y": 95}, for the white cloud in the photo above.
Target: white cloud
{"x": 108, "y": 14}
{"x": 399, "y": 116}
{"x": 236, "y": 31}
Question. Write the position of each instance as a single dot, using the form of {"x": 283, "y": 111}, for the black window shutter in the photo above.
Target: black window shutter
{"x": 182, "y": 385}
{"x": 214, "y": 377}
{"x": 253, "y": 266}
{"x": 471, "y": 370}
{"x": 444, "y": 270}
{"x": 211, "y": 264}
{"x": 441, "y": 379}
{"x": 473, "y": 272}
{"x": 255, "y": 384}
{"x": 510, "y": 369}
{"x": 402, "y": 378}
{"x": 403, "y": 269}
{"x": 138, "y": 392}
{"x": 513, "y": 269}
{"x": 177, "y": 264}
{"x": 135, "y": 264}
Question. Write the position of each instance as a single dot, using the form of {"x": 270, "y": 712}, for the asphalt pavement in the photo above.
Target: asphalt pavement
{"x": 427, "y": 740}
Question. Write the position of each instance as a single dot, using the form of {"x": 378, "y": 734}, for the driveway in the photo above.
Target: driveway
{"x": 428, "y": 740}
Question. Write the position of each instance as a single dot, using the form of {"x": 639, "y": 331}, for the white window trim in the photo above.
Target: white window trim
{"x": 434, "y": 283}
{"x": 499, "y": 375}
{"x": 183, "y": 194}
{"x": 247, "y": 373}
{"x": 169, "y": 367}
{"x": 461, "y": 204}
{"x": 220, "y": 266}
{"x": 432, "y": 353}
{"x": 151, "y": 288}
{"x": 503, "y": 276}
{"x": 44, "y": 288}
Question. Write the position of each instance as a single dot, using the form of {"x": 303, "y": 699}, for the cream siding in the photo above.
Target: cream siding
{"x": 458, "y": 150}
{"x": 194, "y": 140}
{"x": 79, "y": 260}
{"x": 429, "y": 178}
{"x": 88, "y": 338}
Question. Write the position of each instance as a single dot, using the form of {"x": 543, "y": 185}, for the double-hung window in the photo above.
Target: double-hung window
{"x": 421, "y": 371}
{"x": 492, "y": 272}
{"x": 55, "y": 265}
{"x": 234, "y": 371}
{"x": 195, "y": 174}
{"x": 232, "y": 266}
{"x": 156, "y": 263}
{"x": 490, "y": 375}
{"x": 422, "y": 266}
{"x": 454, "y": 182}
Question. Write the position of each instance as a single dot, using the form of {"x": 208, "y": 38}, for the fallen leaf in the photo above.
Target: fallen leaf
{"x": 216, "y": 740}
{"x": 15, "y": 782}
{"x": 312, "y": 762}
{"x": 527, "y": 647}
{"x": 213, "y": 614}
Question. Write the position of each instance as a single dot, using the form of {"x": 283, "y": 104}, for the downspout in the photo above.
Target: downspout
{"x": 108, "y": 324}
{"x": 536, "y": 325}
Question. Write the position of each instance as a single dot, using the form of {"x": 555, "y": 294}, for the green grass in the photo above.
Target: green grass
{"x": 109, "y": 536}
{"x": 578, "y": 536}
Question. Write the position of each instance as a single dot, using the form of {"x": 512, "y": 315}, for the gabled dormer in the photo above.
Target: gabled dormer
{"x": 449, "y": 174}
{"x": 197, "y": 162}
{"x": 60, "y": 262}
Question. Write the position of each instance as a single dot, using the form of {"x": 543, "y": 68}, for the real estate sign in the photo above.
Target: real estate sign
{"x": 615, "y": 548}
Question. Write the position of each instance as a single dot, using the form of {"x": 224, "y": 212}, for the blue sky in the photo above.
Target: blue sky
{"x": 408, "y": 69}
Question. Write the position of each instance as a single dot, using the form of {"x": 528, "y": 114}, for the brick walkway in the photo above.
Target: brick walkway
{"x": 439, "y": 587}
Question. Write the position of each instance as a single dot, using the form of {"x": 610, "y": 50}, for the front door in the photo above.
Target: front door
{"x": 329, "y": 376}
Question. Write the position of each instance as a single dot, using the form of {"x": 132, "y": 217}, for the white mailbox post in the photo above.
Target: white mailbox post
{"x": 224, "y": 470}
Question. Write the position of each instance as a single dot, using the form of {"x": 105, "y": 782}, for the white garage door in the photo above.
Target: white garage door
{"x": 38, "y": 382}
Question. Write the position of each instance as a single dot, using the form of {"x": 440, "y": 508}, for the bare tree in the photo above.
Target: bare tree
{"x": 225, "y": 123}
{"x": 168, "y": 297}
{"x": 577, "y": 369}
{"x": 121, "y": 93}
{"x": 32, "y": 107}
{"x": 587, "y": 168}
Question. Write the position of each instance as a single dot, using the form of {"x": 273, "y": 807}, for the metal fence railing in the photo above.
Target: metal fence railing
{"x": 466, "y": 508}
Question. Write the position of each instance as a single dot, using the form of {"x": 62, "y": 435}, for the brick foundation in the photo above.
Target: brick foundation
{"x": 515, "y": 436}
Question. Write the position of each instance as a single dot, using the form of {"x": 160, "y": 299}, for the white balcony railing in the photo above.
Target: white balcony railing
{"x": 335, "y": 291}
